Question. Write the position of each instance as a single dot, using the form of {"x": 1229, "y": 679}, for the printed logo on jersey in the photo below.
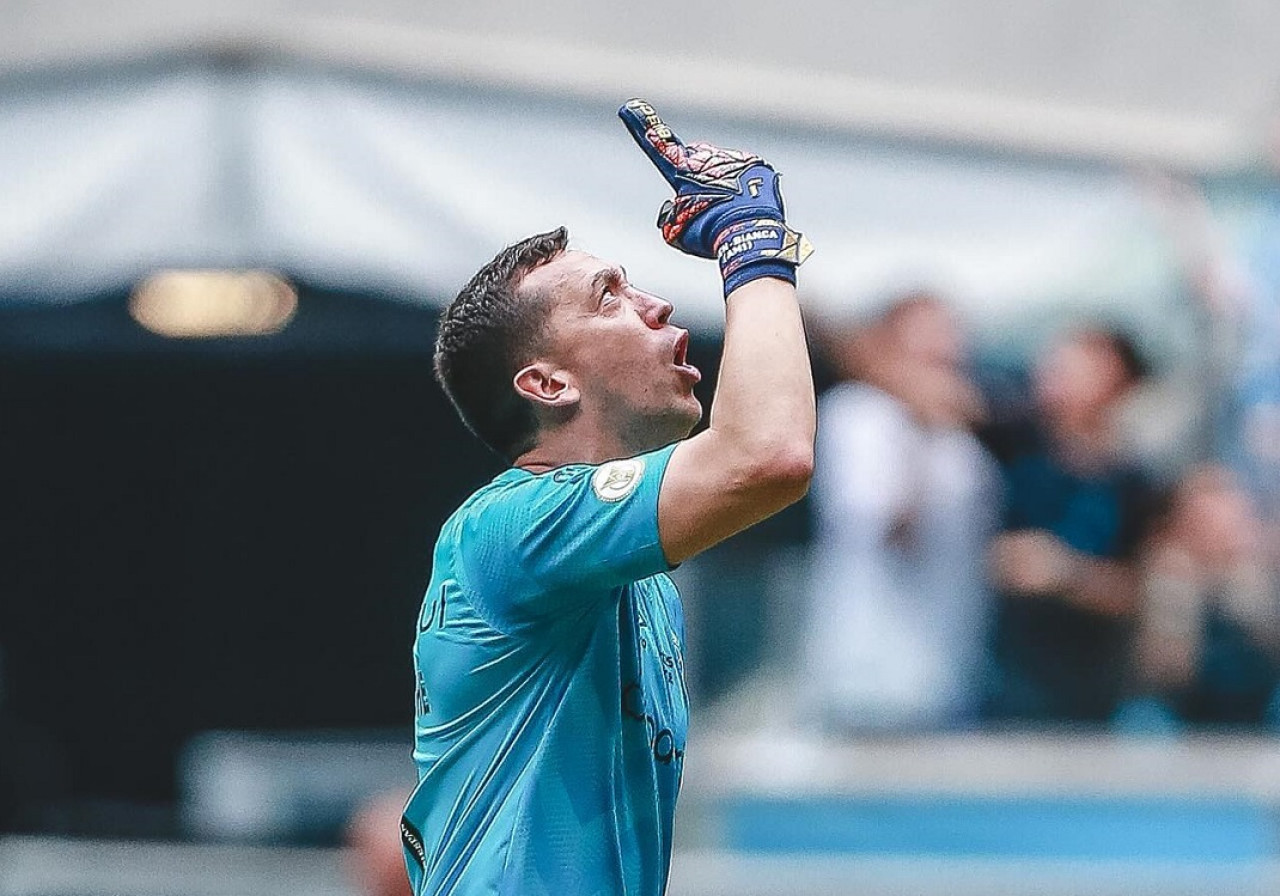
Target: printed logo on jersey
{"x": 617, "y": 479}
{"x": 412, "y": 841}
{"x": 662, "y": 740}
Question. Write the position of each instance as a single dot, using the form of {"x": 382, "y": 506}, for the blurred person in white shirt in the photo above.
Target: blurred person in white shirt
{"x": 905, "y": 499}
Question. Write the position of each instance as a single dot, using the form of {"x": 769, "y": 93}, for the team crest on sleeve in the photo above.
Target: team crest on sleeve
{"x": 617, "y": 479}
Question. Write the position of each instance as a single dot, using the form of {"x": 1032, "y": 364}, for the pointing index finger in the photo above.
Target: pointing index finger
{"x": 657, "y": 140}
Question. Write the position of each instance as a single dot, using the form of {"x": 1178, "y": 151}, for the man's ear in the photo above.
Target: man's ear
{"x": 547, "y": 385}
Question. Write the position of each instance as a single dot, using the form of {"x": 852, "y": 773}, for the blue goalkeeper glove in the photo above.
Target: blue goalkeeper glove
{"x": 728, "y": 204}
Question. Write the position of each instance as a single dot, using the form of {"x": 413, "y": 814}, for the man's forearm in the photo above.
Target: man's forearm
{"x": 1108, "y": 587}
{"x": 756, "y": 457}
{"x": 764, "y": 402}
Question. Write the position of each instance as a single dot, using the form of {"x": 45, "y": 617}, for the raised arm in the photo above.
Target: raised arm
{"x": 756, "y": 457}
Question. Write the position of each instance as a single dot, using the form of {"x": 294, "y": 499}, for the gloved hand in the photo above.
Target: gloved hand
{"x": 728, "y": 204}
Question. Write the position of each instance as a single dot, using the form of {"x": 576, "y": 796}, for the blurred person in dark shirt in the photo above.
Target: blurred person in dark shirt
{"x": 903, "y": 497}
{"x": 1209, "y": 633}
{"x": 1075, "y": 515}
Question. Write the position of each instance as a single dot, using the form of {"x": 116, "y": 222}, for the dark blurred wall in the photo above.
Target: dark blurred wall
{"x": 231, "y": 533}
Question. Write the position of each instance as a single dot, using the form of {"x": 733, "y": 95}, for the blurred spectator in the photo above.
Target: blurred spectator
{"x": 1075, "y": 515}
{"x": 1210, "y": 624}
{"x": 903, "y": 496}
{"x": 376, "y": 858}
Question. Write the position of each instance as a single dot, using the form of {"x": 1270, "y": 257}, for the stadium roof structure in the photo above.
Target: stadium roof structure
{"x": 987, "y": 150}
{"x": 1189, "y": 85}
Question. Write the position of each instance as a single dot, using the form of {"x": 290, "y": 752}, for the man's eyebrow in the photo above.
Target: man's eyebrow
{"x": 604, "y": 277}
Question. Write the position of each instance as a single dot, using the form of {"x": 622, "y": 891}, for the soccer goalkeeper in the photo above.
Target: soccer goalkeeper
{"x": 551, "y": 708}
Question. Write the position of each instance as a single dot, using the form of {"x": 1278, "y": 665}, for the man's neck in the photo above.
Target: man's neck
{"x": 572, "y": 445}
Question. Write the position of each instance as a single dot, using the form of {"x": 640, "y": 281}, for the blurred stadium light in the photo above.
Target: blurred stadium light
{"x": 205, "y": 304}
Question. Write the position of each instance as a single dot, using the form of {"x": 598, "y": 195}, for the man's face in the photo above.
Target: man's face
{"x": 1080, "y": 377}
{"x": 616, "y": 344}
{"x": 928, "y": 334}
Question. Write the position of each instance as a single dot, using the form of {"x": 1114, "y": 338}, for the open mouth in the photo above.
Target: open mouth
{"x": 681, "y": 359}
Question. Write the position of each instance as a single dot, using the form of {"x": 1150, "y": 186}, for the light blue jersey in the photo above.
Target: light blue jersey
{"x": 551, "y": 707}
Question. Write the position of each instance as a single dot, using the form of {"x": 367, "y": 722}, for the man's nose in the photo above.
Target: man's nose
{"x": 656, "y": 311}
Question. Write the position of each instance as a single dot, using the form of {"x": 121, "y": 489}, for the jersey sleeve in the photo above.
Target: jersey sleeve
{"x": 550, "y": 543}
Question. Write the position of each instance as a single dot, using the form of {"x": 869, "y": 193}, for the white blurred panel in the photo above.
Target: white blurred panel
{"x": 1189, "y": 83}
{"x": 400, "y": 186}
{"x": 98, "y": 185}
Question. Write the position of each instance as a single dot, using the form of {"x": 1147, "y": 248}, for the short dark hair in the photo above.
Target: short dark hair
{"x": 486, "y": 335}
{"x": 1122, "y": 344}
{"x": 1133, "y": 359}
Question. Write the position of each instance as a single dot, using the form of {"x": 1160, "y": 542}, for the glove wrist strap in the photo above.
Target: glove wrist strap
{"x": 759, "y": 247}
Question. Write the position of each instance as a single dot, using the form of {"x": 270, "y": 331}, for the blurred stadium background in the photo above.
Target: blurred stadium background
{"x": 225, "y": 232}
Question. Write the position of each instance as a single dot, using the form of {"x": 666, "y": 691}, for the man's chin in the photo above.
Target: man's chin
{"x": 688, "y": 418}
{"x": 674, "y": 425}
